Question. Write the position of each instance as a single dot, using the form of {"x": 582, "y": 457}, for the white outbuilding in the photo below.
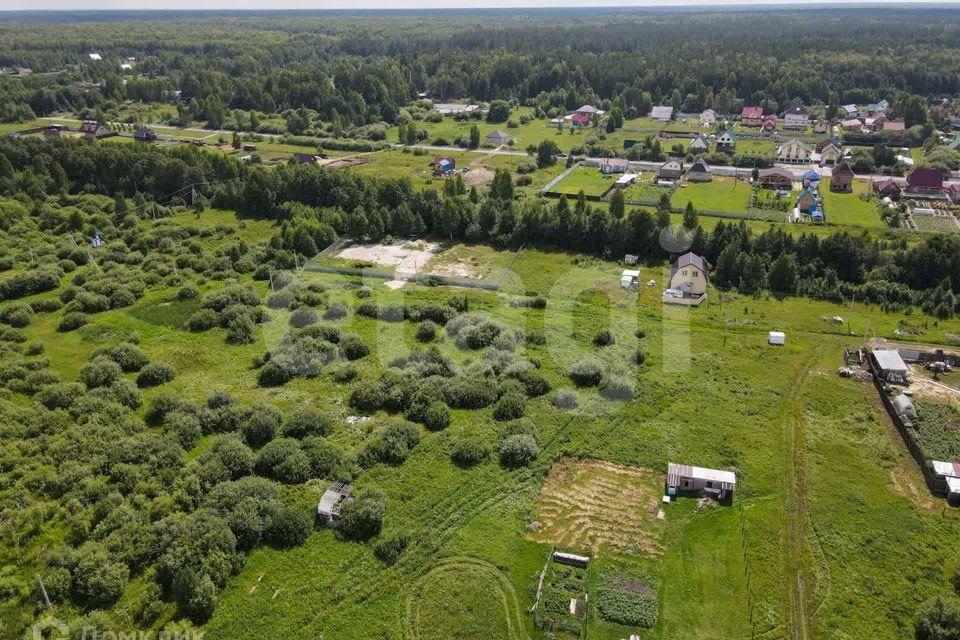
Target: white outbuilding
{"x": 777, "y": 338}
{"x": 630, "y": 279}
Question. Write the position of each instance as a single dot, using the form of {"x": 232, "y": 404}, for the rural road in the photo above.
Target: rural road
{"x": 826, "y": 172}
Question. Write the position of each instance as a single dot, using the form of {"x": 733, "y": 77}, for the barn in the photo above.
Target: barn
{"x": 891, "y": 366}
{"x": 683, "y": 479}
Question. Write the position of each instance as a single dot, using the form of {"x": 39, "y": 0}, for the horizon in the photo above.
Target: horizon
{"x": 364, "y": 6}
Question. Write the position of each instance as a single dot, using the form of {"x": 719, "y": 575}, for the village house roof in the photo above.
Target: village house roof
{"x": 894, "y": 125}
{"x": 700, "y": 166}
{"x": 798, "y": 110}
{"x": 850, "y": 108}
{"x": 925, "y": 178}
{"x": 886, "y": 183}
{"x": 588, "y": 108}
{"x": 843, "y": 169}
{"x": 851, "y": 123}
{"x": 580, "y": 118}
{"x": 688, "y": 259}
{"x": 661, "y": 113}
{"x": 752, "y": 112}
{"x": 728, "y": 135}
{"x": 89, "y": 127}
{"x": 498, "y": 135}
{"x": 675, "y": 472}
{"x": 776, "y": 171}
{"x": 889, "y": 360}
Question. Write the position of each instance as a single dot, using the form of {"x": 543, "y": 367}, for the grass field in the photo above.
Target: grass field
{"x": 721, "y": 194}
{"x": 797, "y": 548}
{"x": 851, "y": 208}
{"x": 586, "y": 179}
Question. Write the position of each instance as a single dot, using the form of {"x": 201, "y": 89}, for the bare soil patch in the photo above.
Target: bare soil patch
{"x": 608, "y": 508}
{"x": 923, "y": 387}
{"x": 407, "y": 257}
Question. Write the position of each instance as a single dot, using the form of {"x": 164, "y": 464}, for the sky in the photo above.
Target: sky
{"x": 274, "y": 5}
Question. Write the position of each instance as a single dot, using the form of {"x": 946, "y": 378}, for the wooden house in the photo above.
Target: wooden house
{"x": 821, "y": 126}
{"x": 842, "y": 177}
{"x": 794, "y": 151}
{"x": 852, "y": 125}
{"x": 887, "y": 188}
{"x": 699, "y": 171}
{"x": 727, "y": 141}
{"x": 769, "y": 124}
{"x": 924, "y": 181}
{"x": 688, "y": 275}
{"x": 95, "y": 131}
{"x": 443, "y": 165}
{"x": 498, "y": 138}
{"x": 776, "y": 178}
{"x": 671, "y": 170}
{"x": 796, "y": 118}
{"x": 700, "y": 144}
{"x": 708, "y": 117}
{"x": 830, "y": 155}
{"x": 751, "y": 116}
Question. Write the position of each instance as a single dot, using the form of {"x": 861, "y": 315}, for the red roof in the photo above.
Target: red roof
{"x": 752, "y": 112}
{"x": 925, "y": 178}
{"x": 893, "y": 125}
{"x": 886, "y": 183}
{"x": 579, "y": 118}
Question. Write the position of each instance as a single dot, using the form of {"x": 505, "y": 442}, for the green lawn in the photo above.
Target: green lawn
{"x": 851, "y": 208}
{"x": 586, "y": 179}
{"x": 721, "y": 194}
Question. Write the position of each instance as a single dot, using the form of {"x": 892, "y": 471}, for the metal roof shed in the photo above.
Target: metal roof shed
{"x": 891, "y": 365}
{"x": 684, "y": 478}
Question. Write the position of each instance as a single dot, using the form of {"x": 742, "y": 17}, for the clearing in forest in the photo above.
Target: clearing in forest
{"x": 608, "y": 508}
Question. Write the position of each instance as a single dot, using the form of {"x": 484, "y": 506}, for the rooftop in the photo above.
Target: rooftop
{"x": 889, "y": 360}
{"x": 676, "y": 471}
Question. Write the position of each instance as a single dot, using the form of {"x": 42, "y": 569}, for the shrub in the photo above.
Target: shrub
{"x": 130, "y": 357}
{"x": 259, "y": 425}
{"x": 280, "y": 299}
{"x": 283, "y": 460}
{"x": 389, "y": 547}
{"x": 241, "y": 330}
{"x": 17, "y": 314}
{"x": 536, "y": 338}
{"x": 616, "y": 389}
{"x": 100, "y": 372}
{"x": 155, "y": 373}
{"x": 426, "y": 331}
{"x": 336, "y": 311}
{"x": 467, "y": 453}
{"x": 586, "y": 373}
{"x": 366, "y": 396}
{"x": 325, "y": 459}
{"x": 187, "y": 292}
{"x": 518, "y": 450}
{"x": 639, "y": 356}
{"x": 273, "y": 375}
{"x": 307, "y": 422}
{"x": 565, "y": 399}
{"x": 344, "y": 372}
{"x": 626, "y": 607}
{"x": 303, "y": 317}
{"x": 61, "y": 395}
{"x": 394, "y": 444}
{"x": 185, "y": 427}
{"x": 203, "y": 320}
{"x": 362, "y": 517}
{"x": 289, "y": 528}
{"x": 353, "y": 347}
{"x": 509, "y": 407}
{"x": 436, "y": 416}
{"x": 72, "y": 320}
{"x": 604, "y": 338}
{"x": 46, "y": 305}
{"x": 641, "y": 333}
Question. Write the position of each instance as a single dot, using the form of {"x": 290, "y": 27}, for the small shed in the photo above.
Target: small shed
{"x": 777, "y": 338}
{"x": 332, "y": 501}
{"x": 497, "y": 138}
{"x": 630, "y": 279}
{"x": 625, "y": 180}
{"x": 891, "y": 366}
{"x": 630, "y": 258}
{"x": 950, "y": 473}
{"x": 571, "y": 559}
{"x": 686, "y": 479}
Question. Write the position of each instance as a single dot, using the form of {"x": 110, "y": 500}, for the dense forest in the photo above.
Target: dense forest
{"x": 348, "y": 72}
